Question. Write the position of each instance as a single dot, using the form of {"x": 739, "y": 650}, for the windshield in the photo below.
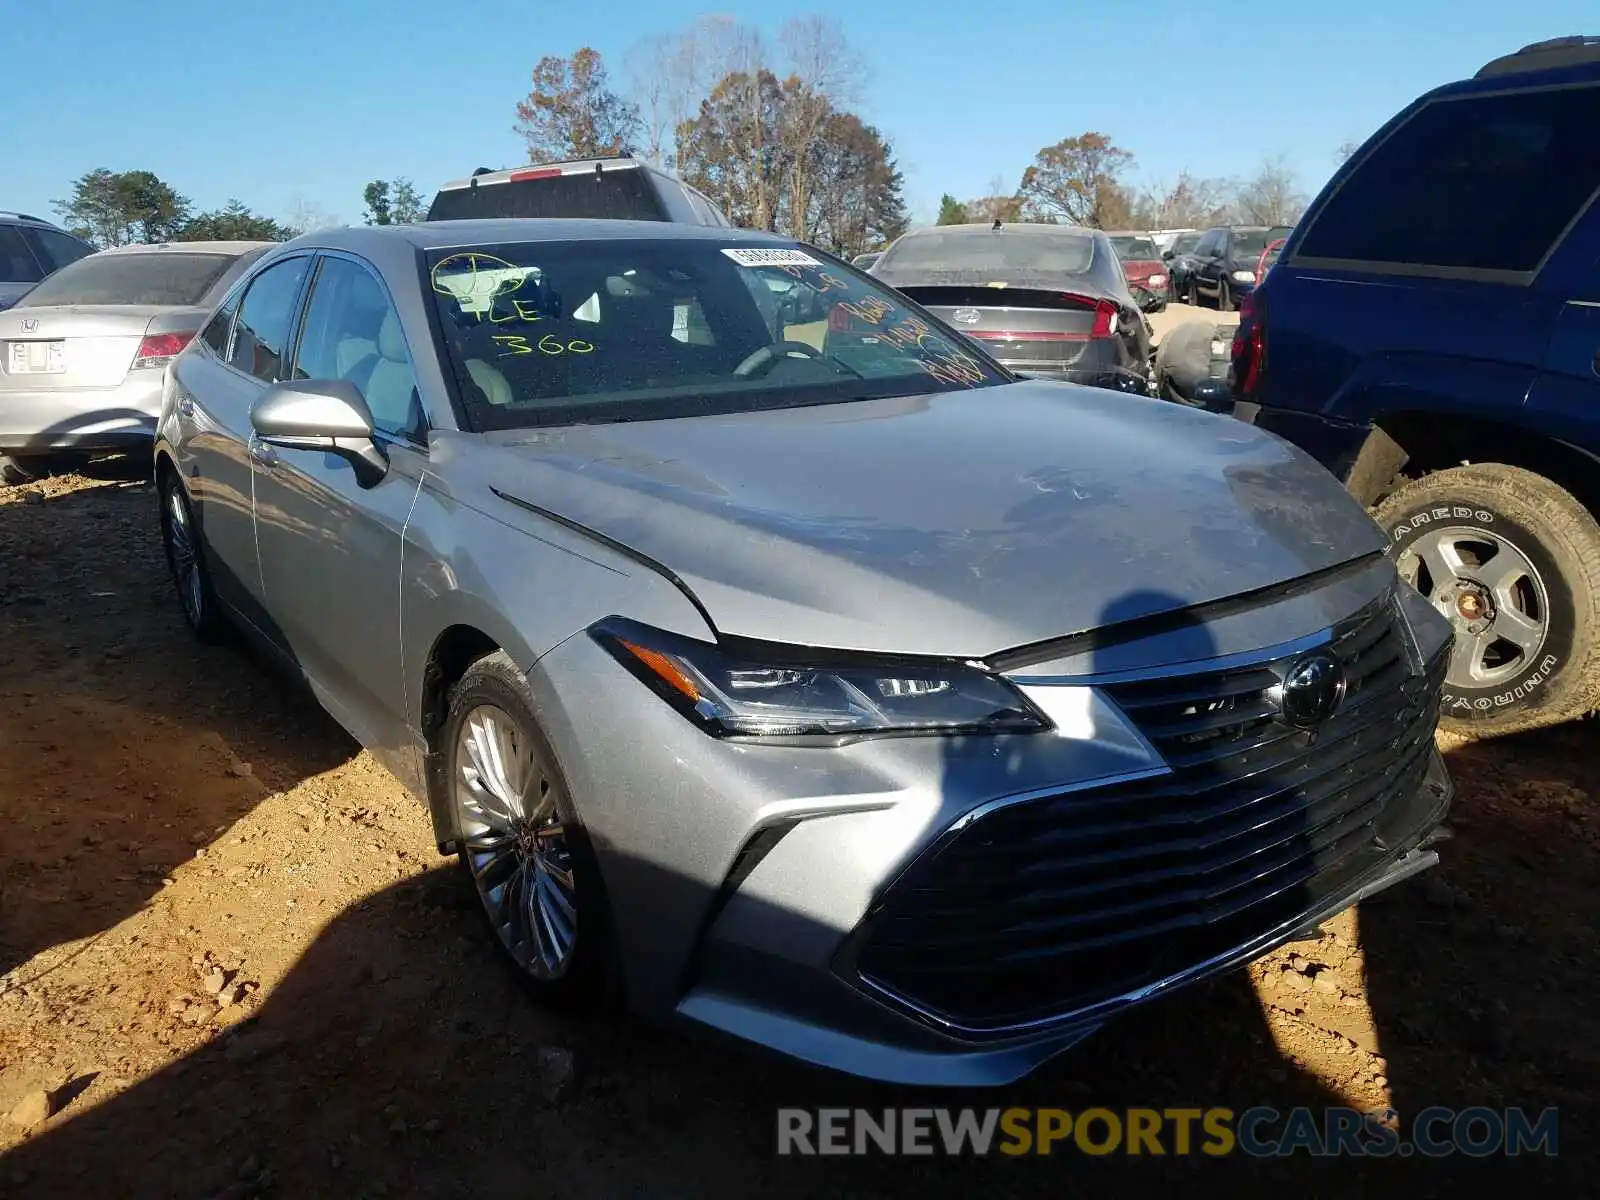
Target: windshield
{"x": 154, "y": 277}
{"x": 1011, "y": 248}
{"x": 1249, "y": 243}
{"x": 543, "y": 333}
{"x": 1136, "y": 249}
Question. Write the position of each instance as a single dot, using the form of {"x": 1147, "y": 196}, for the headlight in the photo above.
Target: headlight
{"x": 783, "y": 693}
{"x": 1245, "y": 276}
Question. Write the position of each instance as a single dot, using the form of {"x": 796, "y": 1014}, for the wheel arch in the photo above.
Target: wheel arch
{"x": 1410, "y": 443}
{"x": 451, "y": 655}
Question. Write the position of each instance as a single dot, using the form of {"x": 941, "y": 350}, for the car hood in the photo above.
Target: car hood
{"x": 958, "y": 523}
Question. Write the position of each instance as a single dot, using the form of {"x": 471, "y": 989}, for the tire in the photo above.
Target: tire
{"x": 1224, "y": 295}
{"x": 1532, "y": 655}
{"x": 25, "y": 468}
{"x": 493, "y": 707}
{"x": 186, "y": 562}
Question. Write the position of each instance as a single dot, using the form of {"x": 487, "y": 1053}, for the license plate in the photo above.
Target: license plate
{"x": 38, "y": 358}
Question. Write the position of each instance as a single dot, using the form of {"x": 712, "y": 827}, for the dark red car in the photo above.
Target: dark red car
{"x": 1144, "y": 268}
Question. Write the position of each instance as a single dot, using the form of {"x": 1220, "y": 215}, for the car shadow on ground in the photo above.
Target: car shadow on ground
{"x": 398, "y": 1059}
{"x": 96, "y": 664}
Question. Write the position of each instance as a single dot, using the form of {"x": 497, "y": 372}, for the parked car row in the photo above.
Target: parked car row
{"x": 1222, "y": 266}
{"x": 1050, "y": 301}
{"x": 772, "y": 649}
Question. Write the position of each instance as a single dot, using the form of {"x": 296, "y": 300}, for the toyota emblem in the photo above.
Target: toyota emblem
{"x": 967, "y": 316}
{"x": 1312, "y": 689}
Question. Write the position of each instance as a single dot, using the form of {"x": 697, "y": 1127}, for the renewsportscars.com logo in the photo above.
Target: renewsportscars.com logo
{"x": 1259, "y": 1132}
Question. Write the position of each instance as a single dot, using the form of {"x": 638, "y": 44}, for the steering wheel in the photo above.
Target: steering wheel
{"x": 767, "y": 356}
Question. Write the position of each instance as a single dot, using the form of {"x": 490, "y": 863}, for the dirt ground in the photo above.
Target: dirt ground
{"x": 231, "y": 956}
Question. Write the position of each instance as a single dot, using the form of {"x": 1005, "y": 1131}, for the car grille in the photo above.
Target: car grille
{"x": 1048, "y": 906}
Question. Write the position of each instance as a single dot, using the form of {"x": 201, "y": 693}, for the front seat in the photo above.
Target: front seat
{"x": 391, "y": 385}
{"x": 490, "y": 382}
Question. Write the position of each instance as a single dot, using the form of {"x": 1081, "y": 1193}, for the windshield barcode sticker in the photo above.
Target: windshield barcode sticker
{"x": 780, "y": 257}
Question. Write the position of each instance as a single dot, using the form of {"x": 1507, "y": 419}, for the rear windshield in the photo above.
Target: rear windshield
{"x": 542, "y": 333}
{"x": 156, "y": 277}
{"x": 1249, "y": 243}
{"x": 1041, "y": 251}
{"x": 618, "y": 195}
{"x": 1484, "y": 182}
{"x": 1135, "y": 248}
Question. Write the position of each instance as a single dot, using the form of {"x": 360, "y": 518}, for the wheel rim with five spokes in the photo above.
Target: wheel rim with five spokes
{"x": 1489, "y": 590}
{"x": 515, "y": 841}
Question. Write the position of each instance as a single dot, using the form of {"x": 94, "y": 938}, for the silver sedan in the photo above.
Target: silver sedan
{"x": 773, "y": 657}
{"x": 82, "y": 354}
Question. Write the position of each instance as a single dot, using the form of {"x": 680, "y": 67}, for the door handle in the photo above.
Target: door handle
{"x": 263, "y": 454}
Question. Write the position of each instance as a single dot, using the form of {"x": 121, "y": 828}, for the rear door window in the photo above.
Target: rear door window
{"x": 1479, "y": 183}
{"x": 56, "y": 249}
{"x": 17, "y": 263}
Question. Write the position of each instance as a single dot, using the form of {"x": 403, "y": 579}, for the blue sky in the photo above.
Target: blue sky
{"x": 312, "y": 98}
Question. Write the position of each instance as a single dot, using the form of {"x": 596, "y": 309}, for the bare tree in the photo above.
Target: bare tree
{"x": 666, "y": 81}
{"x": 1271, "y": 196}
{"x": 825, "y": 76}
{"x": 1187, "y": 202}
{"x": 305, "y": 216}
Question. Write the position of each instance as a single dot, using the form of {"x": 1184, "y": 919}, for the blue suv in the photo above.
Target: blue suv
{"x": 1431, "y": 334}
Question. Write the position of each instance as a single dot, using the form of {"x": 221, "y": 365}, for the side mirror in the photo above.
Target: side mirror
{"x": 321, "y": 414}
{"x": 1213, "y": 395}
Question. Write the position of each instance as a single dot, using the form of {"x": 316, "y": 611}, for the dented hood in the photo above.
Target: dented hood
{"x": 959, "y": 523}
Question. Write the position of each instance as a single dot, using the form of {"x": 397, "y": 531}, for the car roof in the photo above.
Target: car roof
{"x": 571, "y": 166}
{"x": 988, "y": 227}
{"x": 234, "y": 248}
{"x": 433, "y": 235}
{"x": 30, "y": 219}
{"x": 1550, "y": 54}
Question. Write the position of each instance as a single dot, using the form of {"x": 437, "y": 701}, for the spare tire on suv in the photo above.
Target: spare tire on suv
{"x": 1513, "y": 561}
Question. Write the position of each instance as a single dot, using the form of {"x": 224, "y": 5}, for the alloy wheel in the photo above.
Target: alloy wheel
{"x": 183, "y": 557}
{"x": 515, "y": 841}
{"x": 1490, "y": 592}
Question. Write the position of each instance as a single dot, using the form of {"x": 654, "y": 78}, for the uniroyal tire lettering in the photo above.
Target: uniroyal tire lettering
{"x": 1522, "y": 691}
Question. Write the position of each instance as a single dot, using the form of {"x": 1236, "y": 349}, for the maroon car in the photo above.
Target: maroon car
{"x": 1146, "y": 272}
